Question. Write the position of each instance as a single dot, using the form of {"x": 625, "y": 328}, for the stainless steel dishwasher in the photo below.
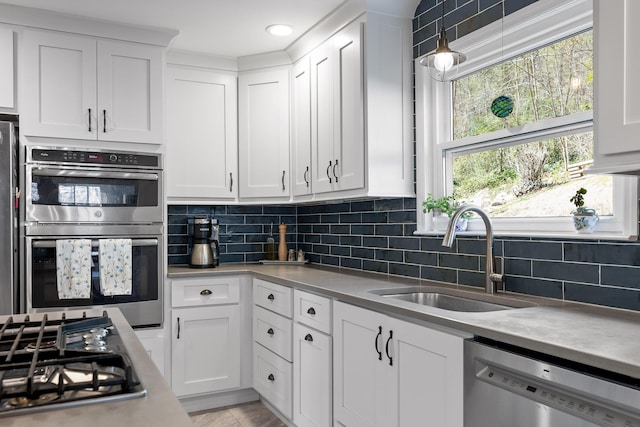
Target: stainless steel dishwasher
{"x": 507, "y": 386}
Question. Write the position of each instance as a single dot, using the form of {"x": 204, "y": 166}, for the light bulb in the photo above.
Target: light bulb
{"x": 443, "y": 61}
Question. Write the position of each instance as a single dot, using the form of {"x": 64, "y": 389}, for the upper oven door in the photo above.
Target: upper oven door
{"x": 69, "y": 194}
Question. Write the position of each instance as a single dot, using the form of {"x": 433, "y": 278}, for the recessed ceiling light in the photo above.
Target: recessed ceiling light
{"x": 279, "y": 29}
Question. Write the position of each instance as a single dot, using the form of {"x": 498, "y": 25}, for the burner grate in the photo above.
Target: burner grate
{"x": 45, "y": 362}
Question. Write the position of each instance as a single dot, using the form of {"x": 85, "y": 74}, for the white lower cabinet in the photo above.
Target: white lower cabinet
{"x": 311, "y": 377}
{"x": 389, "y": 372}
{"x": 153, "y": 342}
{"x": 206, "y": 335}
{"x": 272, "y": 335}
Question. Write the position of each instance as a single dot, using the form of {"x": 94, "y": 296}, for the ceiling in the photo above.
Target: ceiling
{"x": 220, "y": 27}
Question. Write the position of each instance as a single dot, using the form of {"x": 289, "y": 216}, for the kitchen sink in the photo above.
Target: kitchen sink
{"x": 451, "y": 299}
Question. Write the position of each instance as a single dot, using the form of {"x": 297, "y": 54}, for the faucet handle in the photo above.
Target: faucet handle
{"x": 498, "y": 278}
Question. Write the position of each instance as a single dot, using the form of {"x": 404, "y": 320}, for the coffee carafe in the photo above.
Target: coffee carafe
{"x": 201, "y": 253}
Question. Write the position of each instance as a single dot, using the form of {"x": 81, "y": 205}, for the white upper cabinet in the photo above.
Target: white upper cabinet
{"x": 7, "y": 76}
{"x": 337, "y": 112}
{"x": 83, "y": 88}
{"x": 361, "y": 129}
{"x": 263, "y": 118}
{"x": 617, "y": 88}
{"x": 202, "y": 138}
{"x": 301, "y": 129}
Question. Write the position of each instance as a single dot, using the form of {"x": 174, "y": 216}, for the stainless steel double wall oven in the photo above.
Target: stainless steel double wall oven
{"x": 93, "y": 195}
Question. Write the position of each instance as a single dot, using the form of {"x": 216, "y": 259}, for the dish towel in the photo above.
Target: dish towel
{"x": 73, "y": 268}
{"x": 115, "y": 267}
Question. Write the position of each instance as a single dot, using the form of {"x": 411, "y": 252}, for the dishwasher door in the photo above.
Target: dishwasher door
{"x": 511, "y": 387}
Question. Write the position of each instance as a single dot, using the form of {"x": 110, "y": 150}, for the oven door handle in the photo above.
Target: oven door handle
{"x": 94, "y": 243}
{"x": 40, "y": 171}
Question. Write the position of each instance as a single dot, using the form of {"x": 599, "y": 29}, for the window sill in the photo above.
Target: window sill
{"x": 557, "y": 235}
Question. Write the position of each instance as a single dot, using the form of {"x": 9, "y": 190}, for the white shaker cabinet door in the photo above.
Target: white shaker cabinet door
{"x": 311, "y": 378}
{"x": 359, "y": 368}
{"x": 263, "y": 105}
{"x": 205, "y": 349}
{"x": 202, "y": 135}
{"x": 7, "y": 67}
{"x": 301, "y": 129}
{"x": 58, "y": 85}
{"x": 129, "y": 92}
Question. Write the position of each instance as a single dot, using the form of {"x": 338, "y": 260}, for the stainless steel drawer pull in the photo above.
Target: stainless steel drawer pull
{"x": 271, "y": 297}
{"x": 205, "y": 292}
{"x": 308, "y": 338}
{"x": 311, "y": 311}
{"x": 270, "y": 331}
{"x": 271, "y": 377}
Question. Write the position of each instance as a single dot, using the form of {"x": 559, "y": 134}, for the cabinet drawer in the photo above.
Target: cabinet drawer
{"x": 272, "y": 331}
{"x": 272, "y": 296}
{"x": 272, "y": 379}
{"x": 312, "y": 310}
{"x": 209, "y": 291}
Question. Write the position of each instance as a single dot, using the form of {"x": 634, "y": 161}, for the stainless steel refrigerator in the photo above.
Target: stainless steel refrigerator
{"x": 9, "y": 266}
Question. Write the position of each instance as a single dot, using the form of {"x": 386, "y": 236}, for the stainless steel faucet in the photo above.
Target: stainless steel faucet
{"x": 491, "y": 278}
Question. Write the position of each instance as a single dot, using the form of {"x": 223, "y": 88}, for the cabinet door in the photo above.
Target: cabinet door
{"x": 301, "y": 129}
{"x": 312, "y": 392}
{"x": 617, "y": 120}
{"x": 202, "y": 138}
{"x": 58, "y": 85}
{"x": 7, "y": 67}
{"x": 426, "y": 387}
{"x": 322, "y": 117}
{"x": 264, "y": 134}
{"x": 153, "y": 342}
{"x": 349, "y": 113}
{"x": 129, "y": 92}
{"x": 205, "y": 349}
{"x": 360, "y": 369}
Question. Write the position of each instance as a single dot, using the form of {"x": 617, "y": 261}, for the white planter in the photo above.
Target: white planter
{"x": 441, "y": 222}
{"x": 585, "y": 221}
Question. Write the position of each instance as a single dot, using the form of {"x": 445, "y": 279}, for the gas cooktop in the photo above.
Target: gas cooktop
{"x": 52, "y": 364}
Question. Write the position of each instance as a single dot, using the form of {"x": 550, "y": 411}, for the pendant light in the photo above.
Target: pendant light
{"x": 443, "y": 62}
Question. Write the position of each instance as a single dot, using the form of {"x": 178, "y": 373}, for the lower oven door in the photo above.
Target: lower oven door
{"x": 143, "y": 307}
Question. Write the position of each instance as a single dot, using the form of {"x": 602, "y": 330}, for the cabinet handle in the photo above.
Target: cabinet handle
{"x": 205, "y": 292}
{"x": 271, "y": 377}
{"x": 334, "y": 170}
{"x": 271, "y": 297}
{"x": 178, "y": 337}
{"x": 270, "y": 331}
{"x": 104, "y": 121}
{"x": 306, "y": 174}
{"x": 329, "y": 176}
{"x": 376, "y": 342}
{"x": 311, "y": 311}
{"x": 230, "y": 182}
{"x": 283, "y": 188}
{"x": 308, "y": 338}
{"x": 89, "y": 119}
{"x": 387, "y": 348}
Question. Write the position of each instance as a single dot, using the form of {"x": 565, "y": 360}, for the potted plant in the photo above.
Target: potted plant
{"x": 445, "y": 205}
{"x": 584, "y": 219}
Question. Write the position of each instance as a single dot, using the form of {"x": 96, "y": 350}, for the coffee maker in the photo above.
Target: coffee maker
{"x": 201, "y": 252}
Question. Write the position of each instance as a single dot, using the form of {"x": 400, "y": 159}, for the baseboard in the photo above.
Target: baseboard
{"x": 218, "y": 400}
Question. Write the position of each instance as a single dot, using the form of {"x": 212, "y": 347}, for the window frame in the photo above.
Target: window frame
{"x": 537, "y": 25}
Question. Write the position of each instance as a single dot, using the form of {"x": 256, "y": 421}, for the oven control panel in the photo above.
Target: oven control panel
{"x": 597, "y": 414}
{"x": 99, "y": 158}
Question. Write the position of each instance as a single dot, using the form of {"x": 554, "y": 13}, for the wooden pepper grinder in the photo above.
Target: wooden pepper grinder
{"x": 282, "y": 247}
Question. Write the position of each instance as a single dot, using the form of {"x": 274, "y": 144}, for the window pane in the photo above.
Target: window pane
{"x": 534, "y": 179}
{"x": 553, "y": 81}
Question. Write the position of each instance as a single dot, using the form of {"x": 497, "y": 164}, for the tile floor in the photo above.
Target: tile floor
{"x": 253, "y": 414}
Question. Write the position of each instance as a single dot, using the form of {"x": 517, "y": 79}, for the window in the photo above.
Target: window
{"x": 521, "y": 169}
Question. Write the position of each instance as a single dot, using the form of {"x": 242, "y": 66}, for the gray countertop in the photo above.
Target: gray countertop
{"x": 597, "y": 336}
{"x": 158, "y": 408}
